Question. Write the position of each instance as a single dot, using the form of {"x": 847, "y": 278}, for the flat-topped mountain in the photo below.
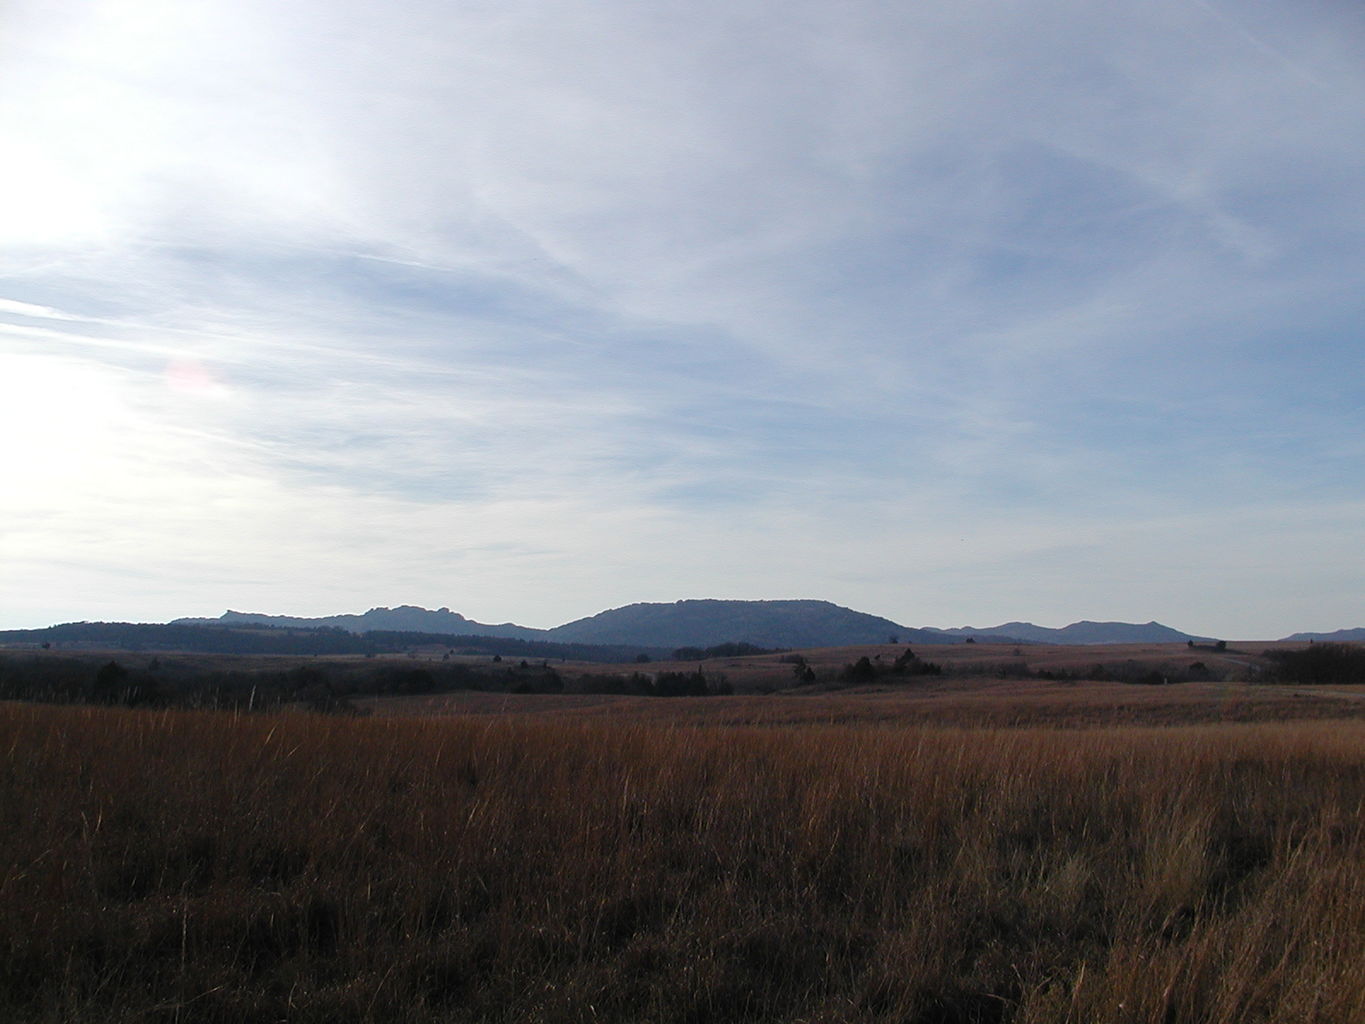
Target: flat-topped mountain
{"x": 762, "y": 623}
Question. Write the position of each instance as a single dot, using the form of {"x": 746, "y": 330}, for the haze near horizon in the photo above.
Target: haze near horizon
{"x": 1038, "y": 312}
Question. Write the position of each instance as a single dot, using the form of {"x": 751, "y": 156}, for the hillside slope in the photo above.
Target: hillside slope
{"x": 765, "y": 623}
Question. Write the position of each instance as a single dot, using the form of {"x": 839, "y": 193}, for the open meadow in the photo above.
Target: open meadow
{"x": 1002, "y": 850}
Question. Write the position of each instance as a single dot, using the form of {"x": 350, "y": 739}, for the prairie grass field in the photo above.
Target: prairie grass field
{"x": 172, "y": 865}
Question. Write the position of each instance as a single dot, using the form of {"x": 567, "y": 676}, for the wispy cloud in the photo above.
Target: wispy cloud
{"x": 529, "y": 309}
{"x": 31, "y": 311}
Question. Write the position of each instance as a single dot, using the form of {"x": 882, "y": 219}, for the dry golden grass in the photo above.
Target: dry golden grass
{"x": 182, "y": 866}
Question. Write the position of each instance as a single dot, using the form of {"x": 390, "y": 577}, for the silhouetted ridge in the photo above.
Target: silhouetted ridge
{"x": 708, "y": 622}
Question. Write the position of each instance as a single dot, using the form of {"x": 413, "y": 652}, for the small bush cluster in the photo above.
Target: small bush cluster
{"x": 907, "y": 663}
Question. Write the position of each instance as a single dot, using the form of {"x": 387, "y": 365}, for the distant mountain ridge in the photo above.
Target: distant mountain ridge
{"x": 405, "y": 618}
{"x": 1085, "y": 632}
{"x": 706, "y": 622}
{"x": 1340, "y": 636}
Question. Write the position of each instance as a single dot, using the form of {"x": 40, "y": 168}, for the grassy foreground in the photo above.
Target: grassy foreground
{"x": 193, "y": 866}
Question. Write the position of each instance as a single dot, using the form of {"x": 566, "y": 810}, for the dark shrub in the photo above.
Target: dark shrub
{"x": 861, "y": 671}
{"x": 1332, "y": 664}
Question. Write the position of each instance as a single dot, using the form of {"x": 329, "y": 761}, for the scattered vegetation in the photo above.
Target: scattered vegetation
{"x": 1130, "y": 671}
{"x": 908, "y": 663}
{"x": 655, "y": 684}
{"x": 1319, "y": 664}
{"x": 243, "y": 684}
{"x": 867, "y": 670}
{"x": 231, "y": 683}
{"x": 293, "y": 641}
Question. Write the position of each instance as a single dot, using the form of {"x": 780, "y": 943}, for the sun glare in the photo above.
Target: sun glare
{"x": 58, "y": 417}
{"x": 191, "y": 377}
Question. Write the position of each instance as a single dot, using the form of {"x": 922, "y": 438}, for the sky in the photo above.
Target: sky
{"x": 951, "y": 313}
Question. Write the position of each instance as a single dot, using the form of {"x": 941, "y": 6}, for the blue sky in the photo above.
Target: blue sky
{"x": 1036, "y": 311}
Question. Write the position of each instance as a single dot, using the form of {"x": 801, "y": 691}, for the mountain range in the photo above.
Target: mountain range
{"x": 702, "y": 623}
{"x": 403, "y": 619}
{"x": 1085, "y": 632}
{"x": 1340, "y": 636}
